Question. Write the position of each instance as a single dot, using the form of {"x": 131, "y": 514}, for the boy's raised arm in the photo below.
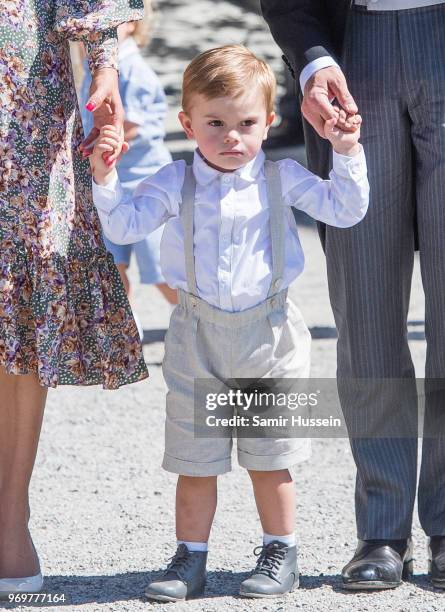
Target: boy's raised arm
{"x": 341, "y": 201}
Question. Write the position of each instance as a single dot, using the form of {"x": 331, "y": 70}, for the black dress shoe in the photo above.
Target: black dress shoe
{"x": 436, "y": 561}
{"x": 379, "y": 564}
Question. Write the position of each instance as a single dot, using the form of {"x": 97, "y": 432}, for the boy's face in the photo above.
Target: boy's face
{"x": 229, "y": 131}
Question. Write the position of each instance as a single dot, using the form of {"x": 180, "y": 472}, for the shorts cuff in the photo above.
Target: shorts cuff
{"x": 189, "y": 468}
{"x": 270, "y": 463}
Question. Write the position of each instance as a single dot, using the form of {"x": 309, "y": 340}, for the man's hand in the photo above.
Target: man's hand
{"x": 322, "y": 87}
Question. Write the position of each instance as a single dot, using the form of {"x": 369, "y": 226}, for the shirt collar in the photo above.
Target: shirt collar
{"x": 205, "y": 174}
{"x": 127, "y": 47}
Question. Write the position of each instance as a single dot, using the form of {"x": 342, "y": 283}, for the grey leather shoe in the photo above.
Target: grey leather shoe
{"x": 184, "y": 577}
{"x": 276, "y": 571}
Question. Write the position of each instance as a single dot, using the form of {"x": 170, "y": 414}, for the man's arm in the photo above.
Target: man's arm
{"x": 301, "y": 30}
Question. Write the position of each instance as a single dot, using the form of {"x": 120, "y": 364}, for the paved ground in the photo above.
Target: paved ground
{"x": 103, "y": 509}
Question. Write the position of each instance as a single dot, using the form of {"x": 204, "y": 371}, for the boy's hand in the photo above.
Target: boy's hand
{"x": 345, "y": 121}
{"x": 343, "y": 142}
{"x": 107, "y": 148}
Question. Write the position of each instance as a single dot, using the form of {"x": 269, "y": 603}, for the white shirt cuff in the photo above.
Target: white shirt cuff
{"x": 350, "y": 167}
{"x": 107, "y": 197}
{"x": 321, "y": 62}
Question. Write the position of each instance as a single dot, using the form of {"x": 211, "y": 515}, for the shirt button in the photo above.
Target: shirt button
{"x": 277, "y": 283}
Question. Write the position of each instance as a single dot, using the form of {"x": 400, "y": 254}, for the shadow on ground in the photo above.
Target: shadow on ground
{"x": 130, "y": 586}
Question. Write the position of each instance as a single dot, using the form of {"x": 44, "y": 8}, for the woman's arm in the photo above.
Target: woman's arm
{"x": 95, "y": 22}
{"x": 104, "y": 98}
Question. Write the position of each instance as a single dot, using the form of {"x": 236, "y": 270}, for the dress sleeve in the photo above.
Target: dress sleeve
{"x": 95, "y": 22}
{"x": 102, "y": 50}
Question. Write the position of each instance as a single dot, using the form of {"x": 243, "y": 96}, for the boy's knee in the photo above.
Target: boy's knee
{"x": 197, "y": 482}
{"x": 270, "y": 475}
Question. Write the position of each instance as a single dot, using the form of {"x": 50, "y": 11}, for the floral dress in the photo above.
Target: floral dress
{"x": 63, "y": 310}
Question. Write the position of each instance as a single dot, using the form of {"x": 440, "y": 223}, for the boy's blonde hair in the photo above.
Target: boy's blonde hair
{"x": 143, "y": 28}
{"x": 227, "y": 71}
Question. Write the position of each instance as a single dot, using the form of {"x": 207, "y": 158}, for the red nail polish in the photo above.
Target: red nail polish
{"x": 90, "y": 106}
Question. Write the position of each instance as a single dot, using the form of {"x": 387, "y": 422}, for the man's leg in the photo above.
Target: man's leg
{"x": 426, "y": 75}
{"x": 369, "y": 271}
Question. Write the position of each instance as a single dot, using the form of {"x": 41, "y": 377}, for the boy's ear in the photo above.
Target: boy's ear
{"x": 186, "y": 124}
{"x": 270, "y": 119}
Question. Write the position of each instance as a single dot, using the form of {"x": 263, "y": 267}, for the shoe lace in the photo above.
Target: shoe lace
{"x": 270, "y": 557}
{"x": 180, "y": 562}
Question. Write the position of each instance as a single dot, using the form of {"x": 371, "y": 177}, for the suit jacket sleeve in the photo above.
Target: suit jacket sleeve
{"x": 300, "y": 28}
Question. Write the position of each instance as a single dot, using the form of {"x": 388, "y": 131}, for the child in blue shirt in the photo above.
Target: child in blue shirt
{"x": 145, "y": 108}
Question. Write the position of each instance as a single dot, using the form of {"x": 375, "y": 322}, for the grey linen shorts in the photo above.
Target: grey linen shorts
{"x": 269, "y": 340}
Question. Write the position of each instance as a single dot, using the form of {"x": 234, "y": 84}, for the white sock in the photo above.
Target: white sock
{"x": 289, "y": 539}
{"x": 195, "y": 546}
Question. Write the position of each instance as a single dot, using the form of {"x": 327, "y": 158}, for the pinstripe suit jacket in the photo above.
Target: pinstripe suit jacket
{"x": 307, "y": 29}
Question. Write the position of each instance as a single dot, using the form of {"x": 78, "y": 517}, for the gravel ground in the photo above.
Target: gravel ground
{"x": 103, "y": 518}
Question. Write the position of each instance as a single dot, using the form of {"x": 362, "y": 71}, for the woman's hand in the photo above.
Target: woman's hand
{"x": 106, "y": 105}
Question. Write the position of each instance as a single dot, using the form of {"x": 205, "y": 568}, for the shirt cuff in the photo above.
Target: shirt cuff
{"x": 107, "y": 197}
{"x": 312, "y": 67}
{"x": 350, "y": 167}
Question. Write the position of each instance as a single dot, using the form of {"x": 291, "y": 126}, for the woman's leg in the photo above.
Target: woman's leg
{"x": 275, "y": 500}
{"x": 22, "y": 402}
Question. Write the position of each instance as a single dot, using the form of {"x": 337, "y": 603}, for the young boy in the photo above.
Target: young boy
{"x": 231, "y": 248}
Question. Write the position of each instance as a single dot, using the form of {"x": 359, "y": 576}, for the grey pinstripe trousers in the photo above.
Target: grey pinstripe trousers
{"x": 395, "y": 67}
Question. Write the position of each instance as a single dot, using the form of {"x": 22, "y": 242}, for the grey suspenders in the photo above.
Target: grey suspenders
{"x": 276, "y": 223}
{"x": 187, "y": 214}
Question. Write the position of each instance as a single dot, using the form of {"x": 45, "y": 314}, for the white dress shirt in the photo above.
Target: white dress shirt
{"x": 232, "y": 244}
{"x": 317, "y": 64}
